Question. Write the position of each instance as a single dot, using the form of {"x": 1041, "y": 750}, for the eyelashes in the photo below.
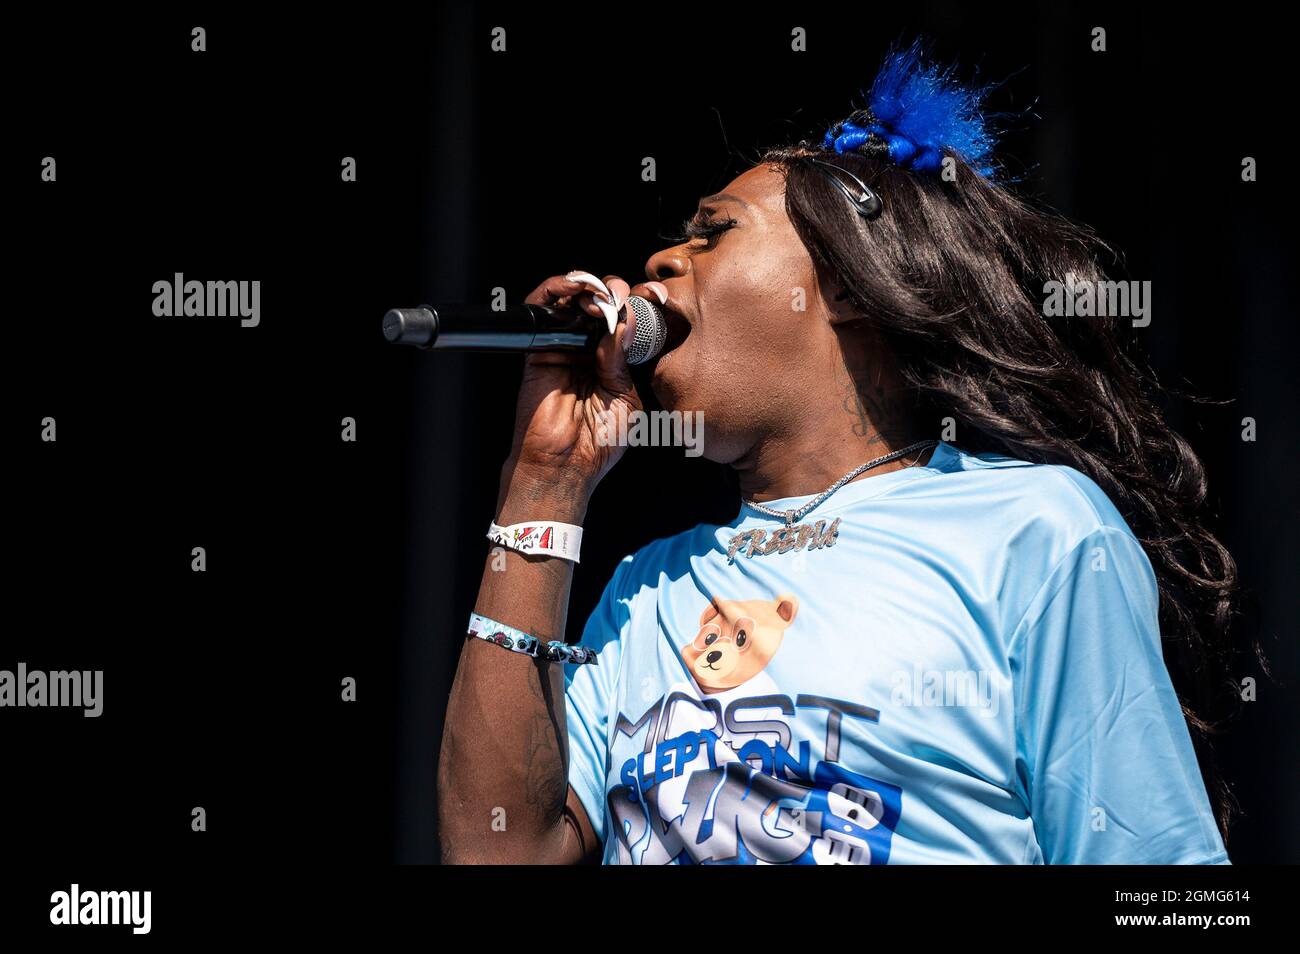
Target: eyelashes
{"x": 701, "y": 225}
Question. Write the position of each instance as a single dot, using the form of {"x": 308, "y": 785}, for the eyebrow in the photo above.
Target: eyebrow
{"x": 723, "y": 197}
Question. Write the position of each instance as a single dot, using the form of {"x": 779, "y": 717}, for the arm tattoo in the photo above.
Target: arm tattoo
{"x": 545, "y": 785}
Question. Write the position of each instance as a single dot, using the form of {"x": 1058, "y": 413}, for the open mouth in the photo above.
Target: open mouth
{"x": 678, "y": 328}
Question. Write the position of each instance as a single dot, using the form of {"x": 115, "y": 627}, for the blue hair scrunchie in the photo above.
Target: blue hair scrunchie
{"x": 918, "y": 111}
{"x": 846, "y": 137}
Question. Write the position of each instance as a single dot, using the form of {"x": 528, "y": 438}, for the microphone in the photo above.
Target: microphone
{"x": 521, "y": 328}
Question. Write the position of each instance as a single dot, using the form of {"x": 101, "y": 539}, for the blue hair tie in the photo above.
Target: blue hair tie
{"x": 901, "y": 149}
{"x": 916, "y": 112}
{"x": 846, "y": 137}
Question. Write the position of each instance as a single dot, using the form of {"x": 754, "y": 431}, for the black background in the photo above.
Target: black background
{"x": 477, "y": 170}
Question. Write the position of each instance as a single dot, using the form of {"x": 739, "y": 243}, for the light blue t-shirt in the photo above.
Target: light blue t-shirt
{"x": 970, "y": 673}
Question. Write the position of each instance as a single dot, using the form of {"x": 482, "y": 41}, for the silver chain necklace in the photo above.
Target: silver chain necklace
{"x": 813, "y": 536}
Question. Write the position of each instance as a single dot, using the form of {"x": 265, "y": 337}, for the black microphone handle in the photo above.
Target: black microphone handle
{"x": 475, "y": 328}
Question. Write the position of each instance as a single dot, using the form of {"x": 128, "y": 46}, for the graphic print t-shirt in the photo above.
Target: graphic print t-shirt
{"x": 971, "y": 673}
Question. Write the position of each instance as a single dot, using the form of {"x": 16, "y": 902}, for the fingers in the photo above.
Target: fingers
{"x": 592, "y": 282}
{"x": 619, "y": 288}
{"x": 598, "y": 298}
{"x": 592, "y": 303}
{"x": 601, "y": 300}
{"x": 612, "y": 370}
{"x": 613, "y": 373}
{"x": 552, "y": 290}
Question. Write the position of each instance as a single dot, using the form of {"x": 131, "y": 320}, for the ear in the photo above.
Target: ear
{"x": 836, "y": 297}
{"x": 709, "y": 613}
{"x": 787, "y": 607}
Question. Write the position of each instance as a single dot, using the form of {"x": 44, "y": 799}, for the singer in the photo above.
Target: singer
{"x": 967, "y": 557}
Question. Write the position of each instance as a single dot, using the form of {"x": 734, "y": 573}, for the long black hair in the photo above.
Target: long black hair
{"x": 950, "y": 275}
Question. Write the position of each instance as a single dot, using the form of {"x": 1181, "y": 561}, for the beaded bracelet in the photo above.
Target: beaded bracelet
{"x": 517, "y": 641}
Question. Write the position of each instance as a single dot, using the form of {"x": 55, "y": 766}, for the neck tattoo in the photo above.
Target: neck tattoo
{"x": 813, "y": 536}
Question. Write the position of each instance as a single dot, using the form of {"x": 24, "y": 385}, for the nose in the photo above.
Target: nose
{"x": 669, "y": 263}
{"x": 713, "y": 657}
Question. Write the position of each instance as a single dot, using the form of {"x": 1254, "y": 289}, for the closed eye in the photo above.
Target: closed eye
{"x": 703, "y": 225}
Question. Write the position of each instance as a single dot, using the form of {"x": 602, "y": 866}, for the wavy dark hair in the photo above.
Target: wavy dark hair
{"x": 950, "y": 276}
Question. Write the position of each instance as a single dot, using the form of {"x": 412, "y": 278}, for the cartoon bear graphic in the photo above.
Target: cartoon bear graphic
{"x": 736, "y": 640}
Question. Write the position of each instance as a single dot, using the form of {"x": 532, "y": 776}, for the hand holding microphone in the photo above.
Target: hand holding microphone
{"x": 569, "y": 399}
{"x": 580, "y": 334}
{"x": 534, "y": 327}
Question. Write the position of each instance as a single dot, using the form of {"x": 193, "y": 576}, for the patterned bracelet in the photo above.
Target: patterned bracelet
{"x": 539, "y": 537}
{"x": 517, "y": 641}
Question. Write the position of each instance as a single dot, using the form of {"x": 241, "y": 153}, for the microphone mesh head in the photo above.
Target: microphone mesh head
{"x": 650, "y": 333}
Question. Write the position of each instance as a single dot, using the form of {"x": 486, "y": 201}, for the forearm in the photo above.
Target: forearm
{"x": 503, "y": 770}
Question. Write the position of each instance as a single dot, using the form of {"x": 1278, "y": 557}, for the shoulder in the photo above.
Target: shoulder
{"x": 1032, "y": 503}
{"x": 1035, "y": 525}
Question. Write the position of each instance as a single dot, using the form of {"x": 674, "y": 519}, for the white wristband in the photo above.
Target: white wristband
{"x": 541, "y": 536}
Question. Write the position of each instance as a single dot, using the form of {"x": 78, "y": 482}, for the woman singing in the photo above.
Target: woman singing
{"x": 967, "y": 557}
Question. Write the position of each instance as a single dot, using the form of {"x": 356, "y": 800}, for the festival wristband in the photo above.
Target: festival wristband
{"x": 542, "y": 536}
{"x": 517, "y": 641}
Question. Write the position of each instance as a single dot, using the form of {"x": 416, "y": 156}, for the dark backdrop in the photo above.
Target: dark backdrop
{"x": 477, "y": 170}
